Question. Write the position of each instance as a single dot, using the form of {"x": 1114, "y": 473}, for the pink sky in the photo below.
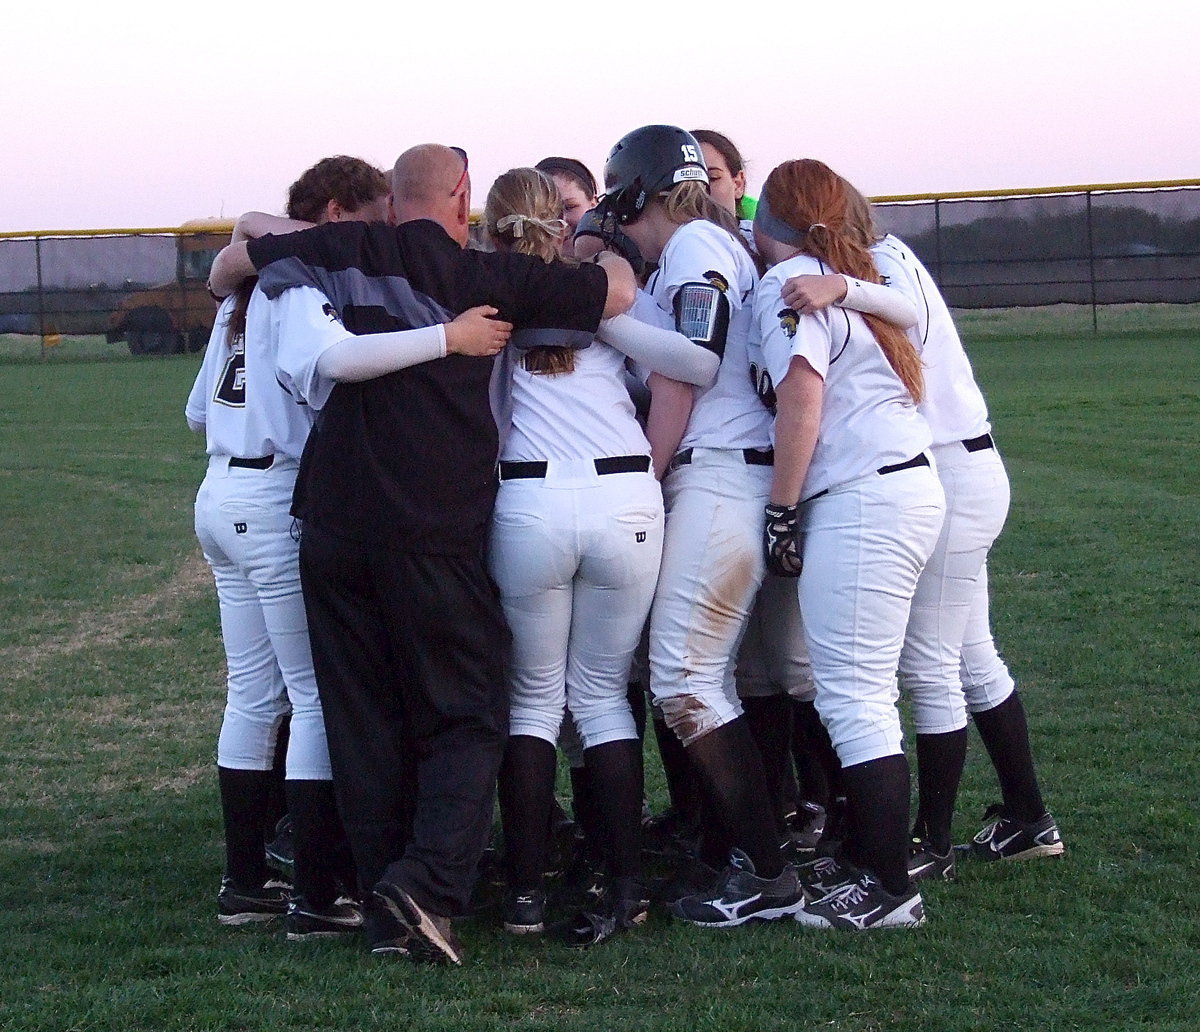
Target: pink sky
{"x": 131, "y": 114}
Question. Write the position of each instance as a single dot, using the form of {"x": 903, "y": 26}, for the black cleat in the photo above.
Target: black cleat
{"x": 237, "y": 906}
{"x": 740, "y": 896}
{"x": 1007, "y": 838}
{"x": 304, "y": 922}
{"x": 864, "y": 905}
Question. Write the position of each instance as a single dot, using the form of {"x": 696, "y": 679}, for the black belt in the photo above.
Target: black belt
{"x": 913, "y": 463}
{"x": 883, "y": 471}
{"x": 751, "y": 456}
{"x": 266, "y": 462}
{"x": 981, "y": 443}
{"x": 610, "y": 464}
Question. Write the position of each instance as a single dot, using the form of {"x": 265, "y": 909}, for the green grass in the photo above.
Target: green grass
{"x": 112, "y": 693}
{"x": 17, "y": 347}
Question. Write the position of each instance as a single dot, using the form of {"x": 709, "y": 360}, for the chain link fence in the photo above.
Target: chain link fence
{"x": 141, "y": 288}
{"x": 1098, "y": 245}
{"x": 144, "y": 290}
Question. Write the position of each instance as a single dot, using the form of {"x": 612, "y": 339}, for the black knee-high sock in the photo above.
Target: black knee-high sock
{"x": 245, "y": 798}
{"x": 940, "y": 760}
{"x": 322, "y": 852}
{"x": 1005, "y": 734}
{"x": 587, "y": 815}
{"x": 817, "y": 764}
{"x": 681, "y": 779}
{"x": 635, "y": 693}
{"x": 877, "y": 803}
{"x": 526, "y": 785}
{"x": 615, "y": 779}
{"x": 277, "y": 806}
{"x": 731, "y": 770}
{"x": 770, "y": 721}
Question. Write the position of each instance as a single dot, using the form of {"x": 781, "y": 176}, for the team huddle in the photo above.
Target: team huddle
{"x": 467, "y": 508}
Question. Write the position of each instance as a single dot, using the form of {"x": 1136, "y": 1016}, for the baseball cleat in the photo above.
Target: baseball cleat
{"x": 819, "y": 877}
{"x": 525, "y": 913}
{"x": 741, "y": 895}
{"x": 237, "y": 906}
{"x": 864, "y": 905}
{"x": 805, "y": 826}
{"x": 304, "y": 922}
{"x": 431, "y": 939}
{"x": 1007, "y": 838}
{"x": 625, "y": 905}
{"x": 280, "y": 852}
{"x": 925, "y": 863}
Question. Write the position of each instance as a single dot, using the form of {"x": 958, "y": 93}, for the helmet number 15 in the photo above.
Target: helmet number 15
{"x": 689, "y": 153}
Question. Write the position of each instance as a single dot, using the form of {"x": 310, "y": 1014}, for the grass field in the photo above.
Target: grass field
{"x": 113, "y": 685}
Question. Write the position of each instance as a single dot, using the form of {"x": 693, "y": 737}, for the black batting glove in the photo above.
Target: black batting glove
{"x": 781, "y": 541}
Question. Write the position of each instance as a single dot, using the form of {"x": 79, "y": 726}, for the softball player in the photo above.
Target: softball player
{"x": 576, "y": 185}
{"x": 255, "y": 433}
{"x": 575, "y": 547}
{"x": 949, "y": 663}
{"x": 856, "y": 505}
{"x": 657, "y": 193}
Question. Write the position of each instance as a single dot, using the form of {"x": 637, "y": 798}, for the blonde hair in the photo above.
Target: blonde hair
{"x": 690, "y": 200}
{"x": 814, "y": 200}
{"x": 860, "y": 222}
{"x": 524, "y": 213}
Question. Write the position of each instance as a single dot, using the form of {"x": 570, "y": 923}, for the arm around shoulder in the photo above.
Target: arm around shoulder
{"x": 664, "y": 351}
{"x": 229, "y": 269}
{"x": 622, "y": 284}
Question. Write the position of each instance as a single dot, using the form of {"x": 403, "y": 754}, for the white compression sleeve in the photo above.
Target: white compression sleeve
{"x": 876, "y": 299}
{"x": 369, "y": 355}
{"x": 662, "y": 351}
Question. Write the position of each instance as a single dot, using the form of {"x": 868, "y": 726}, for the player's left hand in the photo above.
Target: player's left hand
{"x": 781, "y": 541}
{"x": 807, "y": 295}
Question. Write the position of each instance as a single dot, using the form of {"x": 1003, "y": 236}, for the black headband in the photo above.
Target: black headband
{"x": 775, "y": 227}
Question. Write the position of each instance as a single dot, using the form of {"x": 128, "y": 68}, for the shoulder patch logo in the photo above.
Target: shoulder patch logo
{"x": 717, "y": 280}
{"x": 788, "y": 320}
{"x": 330, "y": 311}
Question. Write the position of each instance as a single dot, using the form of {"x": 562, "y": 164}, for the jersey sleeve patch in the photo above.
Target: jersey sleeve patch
{"x": 788, "y": 320}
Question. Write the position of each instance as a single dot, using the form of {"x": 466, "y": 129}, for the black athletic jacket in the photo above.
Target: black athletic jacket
{"x": 407, "y": 461}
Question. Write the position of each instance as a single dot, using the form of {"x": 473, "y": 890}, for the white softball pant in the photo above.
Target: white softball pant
{"x": 986, "y": 679}
{"x": 773, "y": 659}
{"x": 245, "y": 531}
{"x": 865, "y": 544}
{"x": 951, "y": 588}
{"x": 711, "y": 571}
{"x": 575, "y": 555}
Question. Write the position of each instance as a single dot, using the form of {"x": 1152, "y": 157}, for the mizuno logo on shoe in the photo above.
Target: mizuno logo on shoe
{"x": 732, "y": 910}
{"x": 860, "y": 921}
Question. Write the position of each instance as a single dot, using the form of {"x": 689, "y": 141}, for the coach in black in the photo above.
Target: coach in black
{"x": 395, "y": 491}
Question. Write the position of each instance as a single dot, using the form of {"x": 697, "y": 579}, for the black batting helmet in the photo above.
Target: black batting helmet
{"x": 646, "y": 162}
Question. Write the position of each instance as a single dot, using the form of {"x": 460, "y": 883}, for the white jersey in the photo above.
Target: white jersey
{"x": 727, "y": 414}
{"x": 953, "y": 404}
{"x": 584, "y": 414}
{"x": 868, "y": 419}
{"x": 312, "y": 327}
{"x": 245, "y": 411}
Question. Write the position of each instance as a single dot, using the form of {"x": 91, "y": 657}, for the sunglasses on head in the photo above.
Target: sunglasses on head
{"x": 466, "y": 165}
